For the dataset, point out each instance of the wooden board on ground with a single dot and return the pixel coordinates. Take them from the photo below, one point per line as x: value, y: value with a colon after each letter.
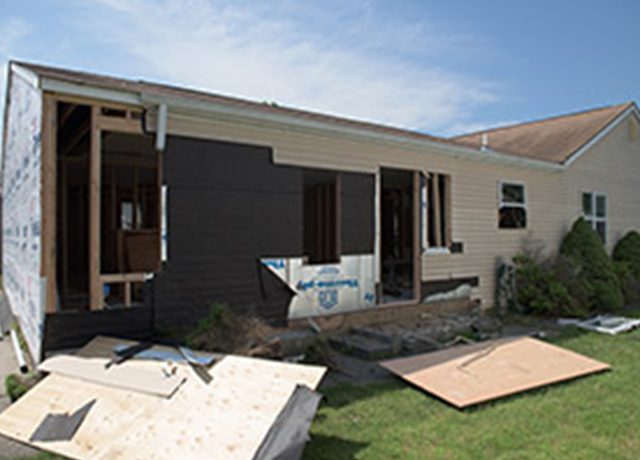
x: 472, y: 374
x: 226, y: 419
x: 130, y: 375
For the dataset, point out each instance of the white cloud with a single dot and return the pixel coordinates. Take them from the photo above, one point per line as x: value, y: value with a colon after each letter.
x: 348, y: 60
x: 12, y: 31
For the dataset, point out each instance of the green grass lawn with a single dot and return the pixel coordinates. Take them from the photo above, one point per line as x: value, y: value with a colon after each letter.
x: 597, y: 417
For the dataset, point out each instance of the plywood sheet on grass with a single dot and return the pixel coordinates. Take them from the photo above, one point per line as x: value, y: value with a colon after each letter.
x: 226, y: 419
x: 472, y: 374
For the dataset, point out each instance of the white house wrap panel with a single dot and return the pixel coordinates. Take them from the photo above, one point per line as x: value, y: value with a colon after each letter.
x: 21, y: 225
x: 328, y: 288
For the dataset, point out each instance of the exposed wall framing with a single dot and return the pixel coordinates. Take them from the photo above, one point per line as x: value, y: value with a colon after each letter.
x: 103, y: 118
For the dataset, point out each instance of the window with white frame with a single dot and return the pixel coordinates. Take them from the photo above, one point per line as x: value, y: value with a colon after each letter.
x: 513, y: 205
x: 594, y: 211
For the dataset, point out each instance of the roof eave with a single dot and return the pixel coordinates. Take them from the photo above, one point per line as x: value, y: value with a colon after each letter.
x: 287, y: 121
x: 62, y: 86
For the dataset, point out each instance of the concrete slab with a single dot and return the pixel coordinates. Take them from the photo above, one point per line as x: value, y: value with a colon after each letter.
x: 365, y: 346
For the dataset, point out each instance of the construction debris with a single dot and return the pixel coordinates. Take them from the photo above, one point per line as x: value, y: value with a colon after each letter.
x: 467, y: 375
x: 61, y: 427
x: 605, y: 324
x: 240, y: 414
x: 289, y: 433
x: 137, y: 376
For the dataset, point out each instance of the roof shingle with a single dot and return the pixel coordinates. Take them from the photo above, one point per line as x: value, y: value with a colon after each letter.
x: 553, y: 139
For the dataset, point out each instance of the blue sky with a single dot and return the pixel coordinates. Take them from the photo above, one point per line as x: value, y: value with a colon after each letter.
x: 439, y: 67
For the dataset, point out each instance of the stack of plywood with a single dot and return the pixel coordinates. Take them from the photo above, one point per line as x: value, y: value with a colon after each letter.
x: 155, y: 410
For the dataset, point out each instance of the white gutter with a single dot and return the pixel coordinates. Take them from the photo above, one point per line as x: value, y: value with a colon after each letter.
x: 75, y: 89
x: 287, y: 122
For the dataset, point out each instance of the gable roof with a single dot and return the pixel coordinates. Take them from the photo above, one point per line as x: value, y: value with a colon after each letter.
x: 547, y: 143
x: 554, y: 139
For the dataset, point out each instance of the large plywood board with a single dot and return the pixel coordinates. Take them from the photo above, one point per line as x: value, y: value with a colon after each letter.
x: 22, y: 209
x: 226, y: 419
x: 473, y: 374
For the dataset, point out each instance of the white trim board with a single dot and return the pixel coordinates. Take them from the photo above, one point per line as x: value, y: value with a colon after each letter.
x: 582, y: 150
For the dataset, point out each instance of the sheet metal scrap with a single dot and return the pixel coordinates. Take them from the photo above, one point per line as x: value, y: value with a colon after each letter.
x: 178, y: 354
x: 61, y: 427
x: 605, y: 324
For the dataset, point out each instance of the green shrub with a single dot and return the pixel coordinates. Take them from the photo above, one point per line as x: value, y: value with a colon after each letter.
x: 628, y: 250
x: 629, y: 283
x: 594, y: 271
x: 15, y: 387
x: 539, y: 291
x: 221, y: 330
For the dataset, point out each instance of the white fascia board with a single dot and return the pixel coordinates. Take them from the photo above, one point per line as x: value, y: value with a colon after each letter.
x: 91, y: 92
x: 256, y: 118
x: 31, y: 77
x: 581, y: 151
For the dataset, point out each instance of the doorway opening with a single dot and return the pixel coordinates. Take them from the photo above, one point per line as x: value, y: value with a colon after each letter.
x: 398, y: 213
x: 321, y: 217
x: 72, y: 223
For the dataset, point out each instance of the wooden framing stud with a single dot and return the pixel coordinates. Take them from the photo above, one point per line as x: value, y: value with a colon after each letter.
x: 127, y: 294
x: 48, y: 200
x: 95, y: 284
x: 435, y: 188
x: 417, y: 259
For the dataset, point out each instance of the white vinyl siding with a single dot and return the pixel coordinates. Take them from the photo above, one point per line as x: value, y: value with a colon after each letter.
x: 552, y: 205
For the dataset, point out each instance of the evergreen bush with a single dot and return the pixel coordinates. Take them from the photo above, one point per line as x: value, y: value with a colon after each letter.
x: 627, y: 250
x: 594, y: 271
x: 539, y: 289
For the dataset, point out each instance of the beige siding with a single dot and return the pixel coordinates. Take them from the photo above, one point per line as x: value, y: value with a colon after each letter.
x: 612, y: 166
x: 474, y: 188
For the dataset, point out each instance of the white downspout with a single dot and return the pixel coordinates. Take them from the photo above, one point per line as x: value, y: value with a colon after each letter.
x: 161, y: 127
